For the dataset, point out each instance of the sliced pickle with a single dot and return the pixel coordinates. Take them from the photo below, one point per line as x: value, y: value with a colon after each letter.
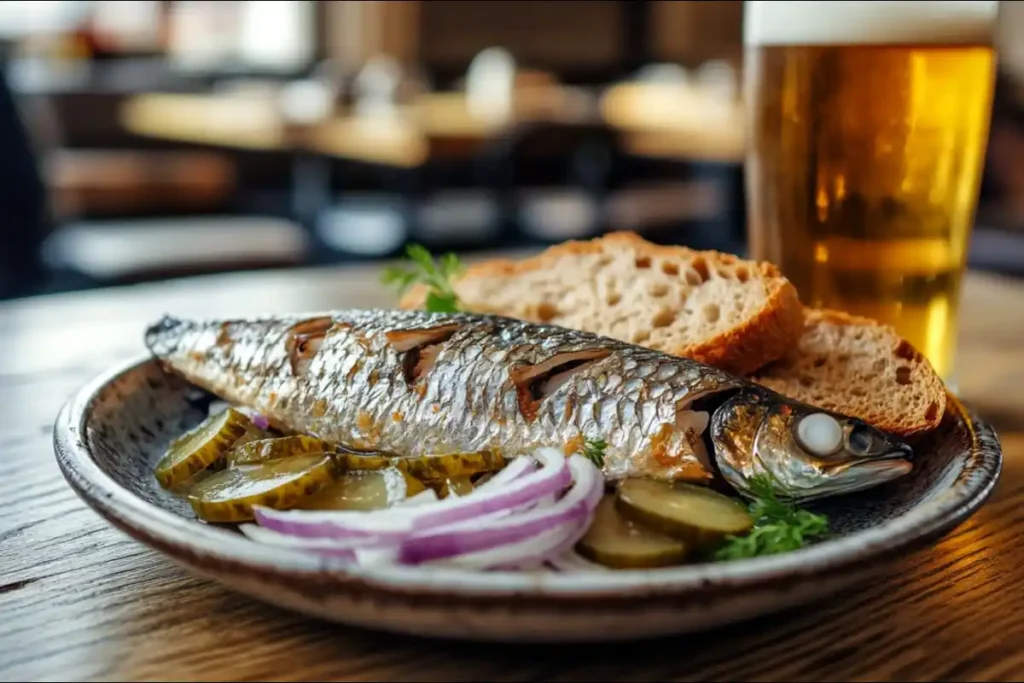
x: 429, y: 468
x: 229, y: 495
x: 252, y: 433
x: 370, y: 461
x: 200, y: 447
x: 413, y: 485
x: 695, y: 514
x: 459, y: 486
x: 182, y: 488
x: 454, y: 465
x: 275, y: 448
x: 614, y: 541
x: 364, y: 490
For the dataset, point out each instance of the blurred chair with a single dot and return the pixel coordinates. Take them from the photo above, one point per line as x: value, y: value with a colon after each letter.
x: 107, y: 182
x: 24, y: 214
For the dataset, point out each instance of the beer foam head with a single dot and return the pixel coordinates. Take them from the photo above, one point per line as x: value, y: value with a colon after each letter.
x: 873, y: 22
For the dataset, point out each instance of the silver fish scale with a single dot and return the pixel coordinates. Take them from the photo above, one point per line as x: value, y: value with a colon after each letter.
x: 353, y: 390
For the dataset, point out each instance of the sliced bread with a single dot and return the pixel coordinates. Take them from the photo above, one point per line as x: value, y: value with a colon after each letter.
x: 716, y: 308
x: 860, y: 368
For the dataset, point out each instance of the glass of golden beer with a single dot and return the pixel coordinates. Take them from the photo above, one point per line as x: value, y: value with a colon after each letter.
x: 867, y: 129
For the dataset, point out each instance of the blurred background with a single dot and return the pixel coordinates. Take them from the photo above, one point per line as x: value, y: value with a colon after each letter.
x: 146, y: 140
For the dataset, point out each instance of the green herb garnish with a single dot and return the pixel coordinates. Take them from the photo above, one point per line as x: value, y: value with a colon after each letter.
x: 778, y: 526
x: 593, y: 450
x: 441, y: 297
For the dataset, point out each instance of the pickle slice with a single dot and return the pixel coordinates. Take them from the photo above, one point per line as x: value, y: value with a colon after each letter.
x: 413, y: 486
x: 614, y: 541
x: 183, y: 487
x: 252, y: 433
x: 458, y: 486
x: 229, y: 495
x: 370, y: 461
x: 695, y: 514
x: 264, y: 450
x: 454, y: 465
x: 429, y: 468
x: 364, y: 490
x: 200, y: 447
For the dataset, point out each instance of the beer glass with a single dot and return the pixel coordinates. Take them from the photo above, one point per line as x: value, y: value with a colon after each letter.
x: 867, y: 129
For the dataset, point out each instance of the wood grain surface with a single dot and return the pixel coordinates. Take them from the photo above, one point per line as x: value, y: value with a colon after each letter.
x: 79, y: 600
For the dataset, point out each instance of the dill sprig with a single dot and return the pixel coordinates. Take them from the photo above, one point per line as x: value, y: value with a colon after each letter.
x: 593, y: 450
x: 778, y: 526
x: 437, y: 276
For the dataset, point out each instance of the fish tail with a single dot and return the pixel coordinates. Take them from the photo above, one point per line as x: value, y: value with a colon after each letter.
x: 163, y: 337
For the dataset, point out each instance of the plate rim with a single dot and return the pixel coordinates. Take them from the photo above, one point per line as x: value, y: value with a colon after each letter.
x: 177, y: 537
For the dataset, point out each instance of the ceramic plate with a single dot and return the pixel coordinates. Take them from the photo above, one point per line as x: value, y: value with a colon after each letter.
x: 109, y: 436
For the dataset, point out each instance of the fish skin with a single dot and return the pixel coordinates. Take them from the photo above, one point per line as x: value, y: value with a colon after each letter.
x: 342, y: 376
x: 755, y: 436
x: 353, y: 391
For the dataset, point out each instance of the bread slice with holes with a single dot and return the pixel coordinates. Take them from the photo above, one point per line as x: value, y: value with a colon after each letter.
x: 860, y: 368
x: 716, y: 308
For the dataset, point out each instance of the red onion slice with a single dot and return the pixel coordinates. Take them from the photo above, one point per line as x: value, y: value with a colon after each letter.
x: 528, y: 553
x: 447, y: 542
x: 513, y: 470
x: 593, y: 498
x: 372, y: 556
x: 424, y: 497
x: 519, y: 520
x: 573, y: 508
x: 342, y: 549
x: 417, y: 549
x: 567, y: 542
x: 574, y: 562
x: 338, y: 525
x: 552, y: 477
x: 532, y: 553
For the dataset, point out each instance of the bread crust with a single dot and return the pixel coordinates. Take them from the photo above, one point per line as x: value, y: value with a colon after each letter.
x: 906, y: 418
x: 740, y: 350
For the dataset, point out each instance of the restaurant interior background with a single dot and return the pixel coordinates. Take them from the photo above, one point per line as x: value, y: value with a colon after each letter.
x: 161, y: 139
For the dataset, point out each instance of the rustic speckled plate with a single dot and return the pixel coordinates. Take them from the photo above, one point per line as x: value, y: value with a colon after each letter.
x: 109, y: 436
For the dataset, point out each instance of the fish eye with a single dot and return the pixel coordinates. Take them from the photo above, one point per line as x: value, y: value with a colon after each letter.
x: 819, y: 434
x: 860, y: 440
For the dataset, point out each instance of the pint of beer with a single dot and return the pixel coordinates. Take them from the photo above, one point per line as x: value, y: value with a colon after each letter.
x: 867, y: 129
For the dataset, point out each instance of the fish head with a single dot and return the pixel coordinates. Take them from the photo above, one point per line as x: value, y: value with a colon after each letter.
x: 806, y: 452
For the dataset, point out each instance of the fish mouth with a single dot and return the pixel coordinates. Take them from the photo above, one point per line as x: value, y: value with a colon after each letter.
x: 859, y: 475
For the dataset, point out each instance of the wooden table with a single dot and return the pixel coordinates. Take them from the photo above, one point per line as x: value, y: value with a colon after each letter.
x: 79, y: 600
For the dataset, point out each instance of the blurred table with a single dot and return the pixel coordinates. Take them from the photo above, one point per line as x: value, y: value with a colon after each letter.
x: 673, y: 121
x: 434, y: 125
x: 239, y: 121
x: 82, y: 601
x: 655, y: 120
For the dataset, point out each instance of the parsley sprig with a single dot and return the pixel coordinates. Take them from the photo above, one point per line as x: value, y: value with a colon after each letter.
x: 593, y: 450
x: 778, y: 526
x: 436, y: 275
